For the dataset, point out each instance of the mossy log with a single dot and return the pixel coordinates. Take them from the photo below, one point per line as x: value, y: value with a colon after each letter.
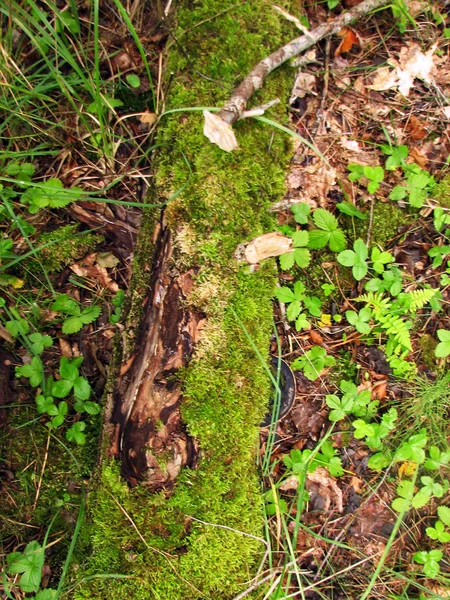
x: 194, y: 532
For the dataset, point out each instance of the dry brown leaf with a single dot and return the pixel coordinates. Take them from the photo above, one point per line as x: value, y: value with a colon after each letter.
x: 148, y: 117
x: 305, y: 83
x: 419, y: 157
x: 349, y: 39
x: 327, y: 488
x: 65, y: 347
x: 291, y: 483
x: 316, y: 337
x: 87, y: 268
x: 416, y: 128
x: 218, y: 132
x: 412, y: 64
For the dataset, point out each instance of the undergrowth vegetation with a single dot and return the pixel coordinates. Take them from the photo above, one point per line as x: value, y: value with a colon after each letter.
x: 357, y: 475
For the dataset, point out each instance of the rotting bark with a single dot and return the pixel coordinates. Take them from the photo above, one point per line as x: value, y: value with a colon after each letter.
x: 150, y: 438
x: 6, y: 372
x: 234, y: 108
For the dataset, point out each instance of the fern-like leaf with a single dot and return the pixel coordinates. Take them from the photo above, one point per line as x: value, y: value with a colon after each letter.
x: 419, y: 298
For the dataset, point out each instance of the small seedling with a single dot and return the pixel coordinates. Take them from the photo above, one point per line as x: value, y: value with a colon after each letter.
x: 396, y: 156
x: 75, y: 433
x: 313, y: 362
x: 360, y: 320
x: 373, y: 175
x: 356, y: 259
x: 29, y: 565
x: 438, y: 533
x: 349, y: 209
x: 300, y: 255
x: 430, y: 561
x: 49, y: 194
x: 71, y: 380
x: 443, y: 348
x: 39, y: 342
x: 34, y: 371
x: 78, y: 317
x: 301, y: 212
x: 440, y: 218
x: 328, y: 232
x: 294, y: 300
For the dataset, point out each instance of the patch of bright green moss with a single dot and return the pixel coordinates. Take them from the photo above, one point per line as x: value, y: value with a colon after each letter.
x: 386, y: 220
x: 441, y: 192
x: 223, y: 202
x: 62, y: 246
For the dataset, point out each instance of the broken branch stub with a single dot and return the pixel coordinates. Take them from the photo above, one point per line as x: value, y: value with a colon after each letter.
x: 222, y: 134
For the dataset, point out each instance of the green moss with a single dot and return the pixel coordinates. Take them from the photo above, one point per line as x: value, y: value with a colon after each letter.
x: 222, y: 201
x: 428, y: 345
x: 386, y: 220
x: 62, y: 246
x: 441, y: 192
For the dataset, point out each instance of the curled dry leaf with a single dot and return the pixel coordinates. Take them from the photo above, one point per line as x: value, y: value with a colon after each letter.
x: 87, y: 268
x: 349, y: 39
x: 148, y: 117
x: 305, y: 83
x: 266, y: 246
x: 218, y: 132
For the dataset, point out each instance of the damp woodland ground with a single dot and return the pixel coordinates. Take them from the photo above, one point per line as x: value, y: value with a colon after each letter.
x: 136, y: 338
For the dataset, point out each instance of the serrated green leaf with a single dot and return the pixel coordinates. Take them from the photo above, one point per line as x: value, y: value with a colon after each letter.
x: 337, y: 241
x: 421, y: 498
x: 359, y: 270
x: 287, y: 261
x: 323, y: 219
x: 293, y: 310
x: 302, y: 257
x: 300, y: 238
x: 72, y: 325
x: 284, y: 294
x: 399, y: 192
x: 444, y: 514
x: 81, y: 389
x: 347, y: 258
x: 89, y: 314
x: 62, y: 388
x: 318, y: 238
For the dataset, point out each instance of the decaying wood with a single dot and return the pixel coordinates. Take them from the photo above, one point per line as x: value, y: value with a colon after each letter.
x: 150, y: 438
x: 123, y: 233
x: 235, y: 106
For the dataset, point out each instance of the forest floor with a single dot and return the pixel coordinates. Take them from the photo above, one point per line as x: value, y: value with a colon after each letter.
x: 354, y: 477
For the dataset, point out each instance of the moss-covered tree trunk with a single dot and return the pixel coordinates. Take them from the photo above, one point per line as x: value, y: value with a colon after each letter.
x: 198, y: 537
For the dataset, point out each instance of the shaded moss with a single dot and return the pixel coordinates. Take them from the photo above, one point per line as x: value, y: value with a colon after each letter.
x: 441, y: 192
x: 63, y: 246
x: 386, y: 220
x: 221, y: 201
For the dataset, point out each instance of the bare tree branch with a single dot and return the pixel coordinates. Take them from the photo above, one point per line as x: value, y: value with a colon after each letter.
x: 234, y: 108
